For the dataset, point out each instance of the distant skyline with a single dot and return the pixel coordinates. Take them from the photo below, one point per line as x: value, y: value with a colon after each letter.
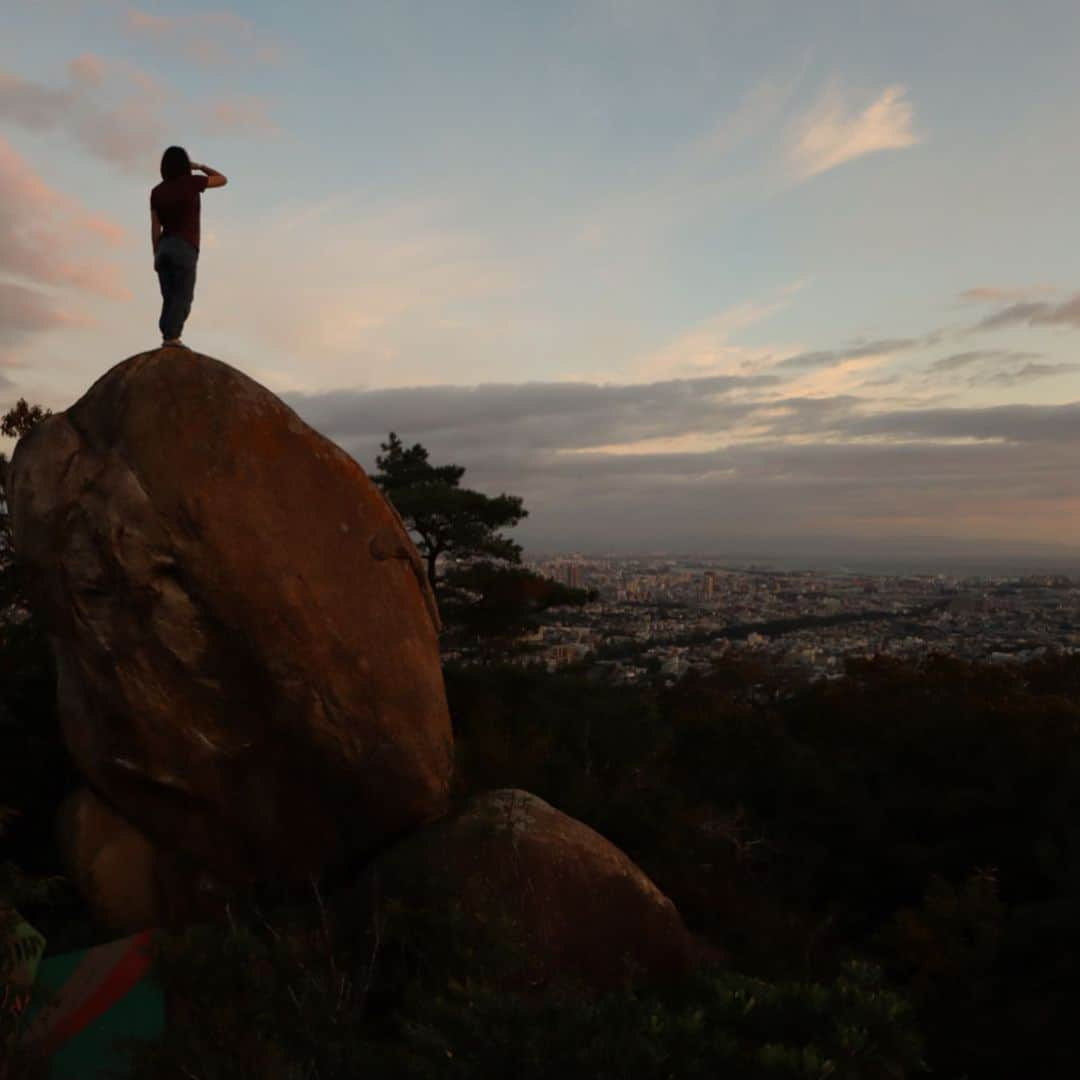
x: 686, y: 276
x: 927, y: 560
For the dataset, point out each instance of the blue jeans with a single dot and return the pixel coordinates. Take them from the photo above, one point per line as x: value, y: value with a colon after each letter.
x: 174, y: 262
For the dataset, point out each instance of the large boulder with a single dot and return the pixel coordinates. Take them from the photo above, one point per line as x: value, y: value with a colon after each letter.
x: 246, y: 643
x: 111, y: 862
x: 560, y: 899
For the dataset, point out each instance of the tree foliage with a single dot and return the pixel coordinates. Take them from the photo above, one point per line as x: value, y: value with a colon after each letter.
x: 22, y: 418
x: 491, y: 602
x: 445, y: 518
x: 16, y: 422
x: 921, y: 815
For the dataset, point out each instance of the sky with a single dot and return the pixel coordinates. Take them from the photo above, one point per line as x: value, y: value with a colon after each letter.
x: 687, y: 276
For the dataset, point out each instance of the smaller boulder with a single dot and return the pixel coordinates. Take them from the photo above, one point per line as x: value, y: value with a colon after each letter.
x: 111, y: 862
x: 575, y: 905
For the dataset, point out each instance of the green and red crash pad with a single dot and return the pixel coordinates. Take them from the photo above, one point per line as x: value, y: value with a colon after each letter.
x: 91, y: 999
x: 21, y: 947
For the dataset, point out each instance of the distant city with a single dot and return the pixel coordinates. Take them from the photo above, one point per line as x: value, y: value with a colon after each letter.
x: 667, y: 615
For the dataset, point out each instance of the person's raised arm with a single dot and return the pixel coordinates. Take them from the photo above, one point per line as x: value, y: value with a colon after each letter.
x: 214, y: 178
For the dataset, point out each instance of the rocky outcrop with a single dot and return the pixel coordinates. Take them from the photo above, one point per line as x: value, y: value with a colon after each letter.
x: 571, y: 903
x: 246, y: 643
x: 111, y: 862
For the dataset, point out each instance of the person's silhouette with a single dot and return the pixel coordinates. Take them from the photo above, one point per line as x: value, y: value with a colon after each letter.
x: 174, y: 234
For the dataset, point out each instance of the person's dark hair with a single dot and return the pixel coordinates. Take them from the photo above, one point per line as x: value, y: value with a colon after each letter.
x: 175, y: 162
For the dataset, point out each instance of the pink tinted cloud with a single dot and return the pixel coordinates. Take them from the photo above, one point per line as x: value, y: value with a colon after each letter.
x: 1036, y: 312
x: 25, y: 311
x: 88, y: 69
x: 831, y: 132
x: 209, y: 38
x: 30, y: 105
x: 112, y: 232
x: 109, y: 109
x: 994, y: 294
x: 50, y: 239
x: 117, y: 111
x: 242, y: 114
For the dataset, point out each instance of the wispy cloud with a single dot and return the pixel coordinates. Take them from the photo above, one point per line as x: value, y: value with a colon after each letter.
x: 979, y: 356
x: 995, y: 294
x: 827, y: 358
x: 759, y: 112
x: 708, y: 349
x: 542, y: 416
x: 241, y: 115
x: 1035, y: 313
x: 1029, y: 372
x: 120, y: 113
x: 208, y: 38
x: 48, y: 238
x: 26, y: 311
x: 375, y: 292
x: 108, y: 109
x: 831, y: 133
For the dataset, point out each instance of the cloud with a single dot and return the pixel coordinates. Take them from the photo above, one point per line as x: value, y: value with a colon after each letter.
x: 208, y: 38
x: 857, y: 352
x: 829, y: 373
x: 707, y: 349
x: 88, y: 70
x: 48, y: 241
x: 241, y: 115
x: 1029, y: 372
x: 812, y: 373
x: 120, y: 113
x: 45, y: 235
x: 1035, y: 313
x: 538, y: 416
x: 979, y: 356
x: 759, y: 110
x: 817, y: 472
x: 831, y: 133
x: 25, y: 311
x: 537, y: 420
x: 982, y: 294
x: 378, y: 292
x: 122, y: 128
x: 1006, y: 423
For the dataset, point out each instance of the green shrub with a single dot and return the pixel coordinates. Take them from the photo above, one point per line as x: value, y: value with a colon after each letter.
x: 279, y: 999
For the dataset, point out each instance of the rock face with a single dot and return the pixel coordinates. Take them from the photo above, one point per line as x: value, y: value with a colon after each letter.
x: 246, y: 643
x: 575, y: 903
x: 111, y: 863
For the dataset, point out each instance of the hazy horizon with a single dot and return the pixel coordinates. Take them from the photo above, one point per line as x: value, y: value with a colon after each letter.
x: 687, y: 275
x: 883, y: 562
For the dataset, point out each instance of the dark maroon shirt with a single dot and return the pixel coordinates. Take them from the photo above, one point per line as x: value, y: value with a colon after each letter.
x: 176, y: 203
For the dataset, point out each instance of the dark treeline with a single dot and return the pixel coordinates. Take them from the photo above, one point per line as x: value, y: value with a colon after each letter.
x: 923, y: 816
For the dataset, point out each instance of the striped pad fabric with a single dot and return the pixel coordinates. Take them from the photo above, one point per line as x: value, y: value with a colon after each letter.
x: 21, y: 947
x: 92, y: 998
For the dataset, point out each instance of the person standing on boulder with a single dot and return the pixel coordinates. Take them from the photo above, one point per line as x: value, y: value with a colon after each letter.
x: 174, y: 234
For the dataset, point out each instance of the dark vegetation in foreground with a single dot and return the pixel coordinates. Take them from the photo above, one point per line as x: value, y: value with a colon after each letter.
x: 909, y: 833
